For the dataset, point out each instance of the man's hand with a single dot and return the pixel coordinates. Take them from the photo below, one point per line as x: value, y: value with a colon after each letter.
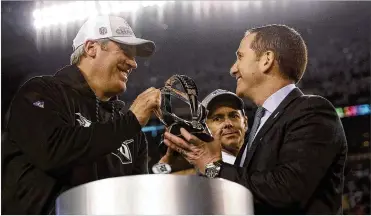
x: 167, y: 158
x: 147, y: 102
x: 194, y: 150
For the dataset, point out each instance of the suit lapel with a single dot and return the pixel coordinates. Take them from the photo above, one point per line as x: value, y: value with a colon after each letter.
x: 242, y: 149
x: 295, y: 93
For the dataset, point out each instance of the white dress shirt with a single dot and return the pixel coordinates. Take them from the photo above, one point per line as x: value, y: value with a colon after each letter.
x: 270, y: 105
x: 228, y: 158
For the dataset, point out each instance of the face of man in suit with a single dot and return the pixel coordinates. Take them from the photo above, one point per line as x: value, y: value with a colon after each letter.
x: 233, y: 123
x: 251, y: 71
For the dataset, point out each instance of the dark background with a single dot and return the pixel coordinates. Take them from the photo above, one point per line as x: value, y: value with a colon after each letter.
x: 190, y: 41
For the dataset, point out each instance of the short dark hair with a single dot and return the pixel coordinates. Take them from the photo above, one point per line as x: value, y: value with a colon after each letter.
x: 288, y: 46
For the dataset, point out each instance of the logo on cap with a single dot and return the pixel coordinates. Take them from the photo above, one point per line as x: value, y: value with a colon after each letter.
x: 102, y: 30
x: 124, y: 31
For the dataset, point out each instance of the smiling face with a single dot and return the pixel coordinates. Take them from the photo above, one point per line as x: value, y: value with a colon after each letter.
x: 246, y: 69
x: 269, y: 57
x: 233, y: 123
x: 114, y: 64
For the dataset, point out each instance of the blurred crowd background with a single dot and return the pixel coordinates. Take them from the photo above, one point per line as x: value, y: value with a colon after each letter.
x: 199, y: 39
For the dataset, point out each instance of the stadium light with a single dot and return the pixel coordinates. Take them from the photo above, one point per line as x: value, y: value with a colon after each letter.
x: 62, y: 14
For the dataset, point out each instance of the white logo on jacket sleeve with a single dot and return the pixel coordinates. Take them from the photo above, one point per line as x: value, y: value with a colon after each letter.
x: 82, y: 120
x: 123, y: 153
x: 39, y: 104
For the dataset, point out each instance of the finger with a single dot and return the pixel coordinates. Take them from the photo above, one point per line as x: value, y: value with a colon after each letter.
x: 158, y: 98
x: 184, y: 153
x: 158, y: 113
x: 153, y: 98
x: 144, y: 94
x: 189, y: 137
x: 155, y: 91
x: 169, y: 151
x: 148, y: 90
x: 179, y: 142
x: 172, y: 147
x: 165, y: 159
x: 157, y: 106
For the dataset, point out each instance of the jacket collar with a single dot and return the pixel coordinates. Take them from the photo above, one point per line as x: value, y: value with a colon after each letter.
x: 275, y: 116
x: 72, y: 76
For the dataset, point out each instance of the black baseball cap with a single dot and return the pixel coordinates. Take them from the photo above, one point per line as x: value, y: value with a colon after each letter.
x: 223, y: 95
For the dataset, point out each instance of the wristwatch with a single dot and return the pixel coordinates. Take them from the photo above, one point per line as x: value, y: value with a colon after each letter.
x: 212, y: 169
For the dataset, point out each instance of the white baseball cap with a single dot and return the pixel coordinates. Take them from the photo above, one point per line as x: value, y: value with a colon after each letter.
x: 114, y: 28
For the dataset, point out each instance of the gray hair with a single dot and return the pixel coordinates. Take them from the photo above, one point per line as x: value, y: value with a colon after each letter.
x: 76, y: 55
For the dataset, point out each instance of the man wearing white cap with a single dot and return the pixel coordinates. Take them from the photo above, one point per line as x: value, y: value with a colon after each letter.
x: 69, y: 129
x: 225, y: 112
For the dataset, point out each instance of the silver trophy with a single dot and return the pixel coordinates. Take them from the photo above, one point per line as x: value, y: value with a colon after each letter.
x: 181, y: 88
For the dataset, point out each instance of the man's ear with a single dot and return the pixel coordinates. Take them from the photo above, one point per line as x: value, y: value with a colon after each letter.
x: 266, y: 61
x: 245, y: 121
x: 90, y: 48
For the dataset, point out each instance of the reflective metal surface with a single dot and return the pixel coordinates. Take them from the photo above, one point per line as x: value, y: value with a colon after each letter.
x: 156, y: 194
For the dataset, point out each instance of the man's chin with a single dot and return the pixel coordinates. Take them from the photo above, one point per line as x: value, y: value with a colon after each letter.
x: 121, y: 88
x: 117, y: 91
x: 231, y: 148
x: 240, y: 92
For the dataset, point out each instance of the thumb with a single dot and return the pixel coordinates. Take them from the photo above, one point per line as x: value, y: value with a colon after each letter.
x: 169, y: 152
x: 157, y: 113
x: 148, y: 90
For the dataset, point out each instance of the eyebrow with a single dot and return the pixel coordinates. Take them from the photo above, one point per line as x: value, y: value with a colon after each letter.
x: 234, y: 112
x: 221, y: 115
x: 217, y: 115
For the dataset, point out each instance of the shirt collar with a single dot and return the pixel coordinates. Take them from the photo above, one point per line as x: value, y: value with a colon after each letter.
x: 228, y: 158
x: 275, y: 99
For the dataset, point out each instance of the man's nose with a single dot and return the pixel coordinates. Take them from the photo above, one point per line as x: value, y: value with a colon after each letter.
x: 233, y: 71
x: 132, y: 63
x: 228, y: 123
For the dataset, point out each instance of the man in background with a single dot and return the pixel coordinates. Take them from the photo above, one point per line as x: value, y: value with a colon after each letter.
x: 225, y: 111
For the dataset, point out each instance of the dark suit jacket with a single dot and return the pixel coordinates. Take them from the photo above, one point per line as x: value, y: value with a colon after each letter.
x: 296, y: 162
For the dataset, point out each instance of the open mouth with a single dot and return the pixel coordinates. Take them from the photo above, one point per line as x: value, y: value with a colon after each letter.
x: 123, y: 72
x: 124, y: 76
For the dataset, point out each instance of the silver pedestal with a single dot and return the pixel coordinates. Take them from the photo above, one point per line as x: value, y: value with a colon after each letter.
x: 156, y: 195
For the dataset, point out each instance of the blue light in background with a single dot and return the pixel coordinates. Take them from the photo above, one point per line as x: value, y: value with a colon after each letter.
x: 364, y: 109
x: 153, y: 129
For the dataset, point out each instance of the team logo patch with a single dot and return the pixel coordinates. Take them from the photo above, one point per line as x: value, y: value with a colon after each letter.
x: 82, y: 120
x: 123, y: 30
x: 123, y: 153
x: 102, y: 30
x: 39, y: 104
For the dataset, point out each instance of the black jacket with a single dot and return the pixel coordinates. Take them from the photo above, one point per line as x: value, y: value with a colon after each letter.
x: 296, y: 161
x: 59, y: 135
